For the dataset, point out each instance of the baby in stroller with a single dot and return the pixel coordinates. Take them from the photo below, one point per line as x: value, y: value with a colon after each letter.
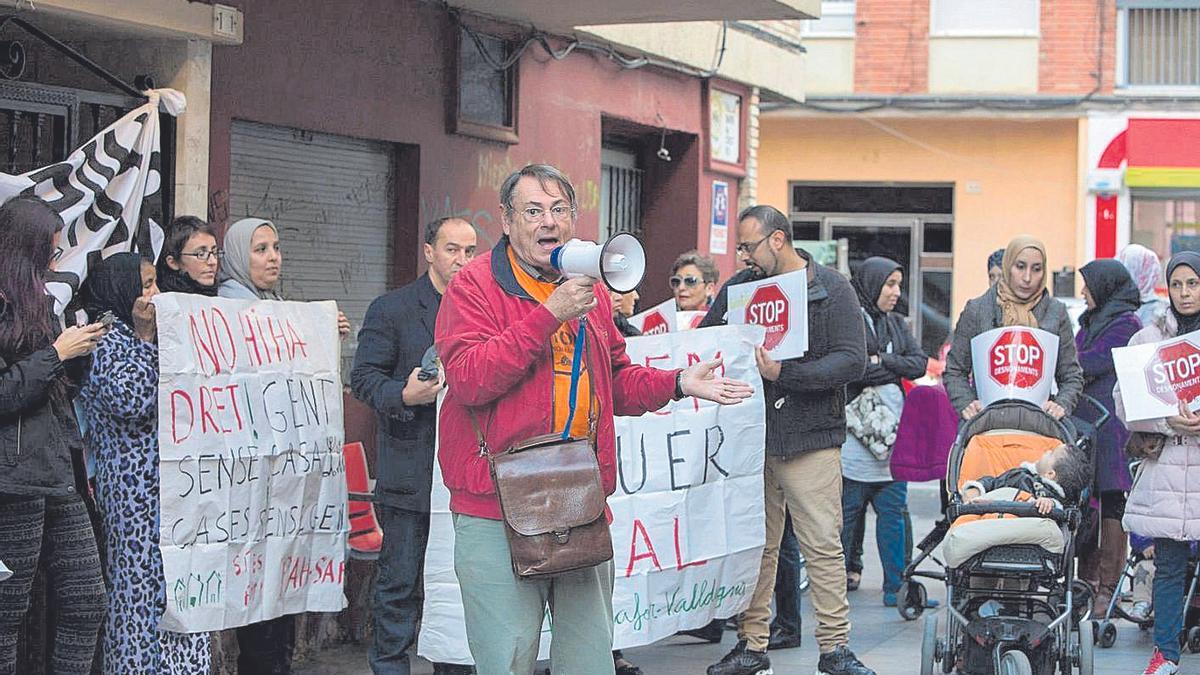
x: 1016, y: 478
x: 1059, y: 472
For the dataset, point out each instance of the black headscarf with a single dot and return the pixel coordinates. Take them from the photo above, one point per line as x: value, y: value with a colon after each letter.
x: 868, y: 283
x: 996, y: 259
x: 113, y: 286
x: 1187, y: 324
x: 1114, y: 293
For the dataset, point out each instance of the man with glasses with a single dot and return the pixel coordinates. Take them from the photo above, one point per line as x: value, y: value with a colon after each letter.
x: 694, y: 282
x: 806, y: 427
x: 507, y: 332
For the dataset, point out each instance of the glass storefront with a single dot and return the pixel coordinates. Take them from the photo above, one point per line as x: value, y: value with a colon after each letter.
x: 1166, y: 222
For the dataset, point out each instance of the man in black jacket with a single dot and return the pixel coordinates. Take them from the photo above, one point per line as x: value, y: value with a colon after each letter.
x: 806, y: 426
x: 396, y: 333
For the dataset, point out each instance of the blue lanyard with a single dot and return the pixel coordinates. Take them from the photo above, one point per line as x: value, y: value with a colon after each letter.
x: 576, y: 366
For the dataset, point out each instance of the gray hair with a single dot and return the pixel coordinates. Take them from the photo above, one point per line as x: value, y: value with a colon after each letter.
x: 770, y: 218
x: 545, y: 174
x: 708, y: 268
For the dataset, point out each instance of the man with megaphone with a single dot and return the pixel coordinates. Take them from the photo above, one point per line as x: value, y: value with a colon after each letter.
x: 530, y: 350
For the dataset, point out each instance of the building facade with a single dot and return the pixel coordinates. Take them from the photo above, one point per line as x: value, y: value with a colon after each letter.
x: 937, y: 130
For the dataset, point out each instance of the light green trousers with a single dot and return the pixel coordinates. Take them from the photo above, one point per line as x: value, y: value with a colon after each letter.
x: 504, y: 613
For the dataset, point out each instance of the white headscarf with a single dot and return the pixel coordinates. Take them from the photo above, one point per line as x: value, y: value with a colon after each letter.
x: 1145, y: 268
x: 235, y: 266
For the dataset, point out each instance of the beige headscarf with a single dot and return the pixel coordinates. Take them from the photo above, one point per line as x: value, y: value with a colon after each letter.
x: 1015, y: 311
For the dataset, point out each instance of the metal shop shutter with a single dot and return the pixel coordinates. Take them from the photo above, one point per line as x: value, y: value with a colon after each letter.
x: 332, y: 199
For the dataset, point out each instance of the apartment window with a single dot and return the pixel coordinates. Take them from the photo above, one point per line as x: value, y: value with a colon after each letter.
x: 983, y: 18
x: 837, y: 20
x: 1159, y: 43
x: 485, y: 103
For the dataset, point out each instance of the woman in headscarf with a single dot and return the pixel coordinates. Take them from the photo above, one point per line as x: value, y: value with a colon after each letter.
x: 252, y: 264
x: 250, y: 270
x: 1109, y: 322
x: 120, y: 401
x: 1019, y: 298
x: 189, y: 258
x: 893, y: 354
x: 1161, y: 501
x: 995, y: 266
x: 1147, y: 273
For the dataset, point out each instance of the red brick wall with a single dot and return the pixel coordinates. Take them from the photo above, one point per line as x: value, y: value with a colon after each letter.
x: 1071, y: 46
x: 891, y: 49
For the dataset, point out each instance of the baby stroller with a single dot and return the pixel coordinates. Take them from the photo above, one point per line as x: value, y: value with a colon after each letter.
x: 1011, y: 594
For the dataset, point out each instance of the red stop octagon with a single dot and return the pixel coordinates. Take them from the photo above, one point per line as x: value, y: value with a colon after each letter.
x: 1016, y: 359
x: 769, y: 308
x: 1174, y: 374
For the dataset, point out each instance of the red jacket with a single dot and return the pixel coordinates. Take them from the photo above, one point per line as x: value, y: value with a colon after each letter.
x: 494, y: 341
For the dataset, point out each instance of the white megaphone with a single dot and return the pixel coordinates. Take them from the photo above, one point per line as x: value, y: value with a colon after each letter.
x: 619, y: 262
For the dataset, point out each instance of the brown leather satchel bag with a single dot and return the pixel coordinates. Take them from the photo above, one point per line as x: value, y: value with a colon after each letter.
x: 552, y: 501
x: 1145, y: 445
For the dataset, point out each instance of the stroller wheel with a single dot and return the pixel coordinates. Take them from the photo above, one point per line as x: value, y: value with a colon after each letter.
x: 1194, y: 639
x: 929, y: 655
x: 913, y: 598
x: 1106, y: 635
x: 1014, y: 662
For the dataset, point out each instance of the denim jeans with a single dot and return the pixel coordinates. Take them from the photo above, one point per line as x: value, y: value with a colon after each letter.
x: 787, y: 581
x: 1170, y: 570
x: 890, y: 501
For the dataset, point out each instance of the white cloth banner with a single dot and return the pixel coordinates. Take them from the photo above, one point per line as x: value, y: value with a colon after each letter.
x: 780, y: 305
x: 107, y: 192
x: 1155, y: 377
x: 1014, y: 363
x: 253, y: 522
x: 688, y: 527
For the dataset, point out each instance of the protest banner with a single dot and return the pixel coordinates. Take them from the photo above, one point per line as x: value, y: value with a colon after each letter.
x: 108, y: 192
x: 253, y: 521
x: 1014, y: 363
x: 1155, y: 377
x: 657, y: 320
x: 780, y: 305
x: 687, y: 320
x: 687, y: 527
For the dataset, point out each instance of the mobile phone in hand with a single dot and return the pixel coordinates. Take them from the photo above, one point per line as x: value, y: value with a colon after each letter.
x: 429, y: 365
x: 106, y: 319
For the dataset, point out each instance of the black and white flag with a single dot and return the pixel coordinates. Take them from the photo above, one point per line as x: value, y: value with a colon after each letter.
x: 107, y: 192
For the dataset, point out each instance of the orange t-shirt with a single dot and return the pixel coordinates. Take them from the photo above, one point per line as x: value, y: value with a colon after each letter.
x: 562, y: 355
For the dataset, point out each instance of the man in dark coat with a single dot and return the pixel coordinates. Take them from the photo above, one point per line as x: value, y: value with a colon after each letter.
x: 806, y: 427
x: 396, y: 333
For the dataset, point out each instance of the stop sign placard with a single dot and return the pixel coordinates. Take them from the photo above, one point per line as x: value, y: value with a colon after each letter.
x: 1017, y: 359
x: 655, y: 324
x: 1173, y: 374
x: 769, y: 307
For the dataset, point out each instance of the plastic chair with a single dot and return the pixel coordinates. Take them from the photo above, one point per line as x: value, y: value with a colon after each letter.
x: 366, y: 536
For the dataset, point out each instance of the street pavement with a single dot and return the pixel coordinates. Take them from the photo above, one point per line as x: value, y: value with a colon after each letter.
x: 883, y: 640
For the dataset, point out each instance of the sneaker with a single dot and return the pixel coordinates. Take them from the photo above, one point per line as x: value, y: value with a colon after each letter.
x: 841, y: 661
x: 853, y: 579
x: 1159, y: 665
x: 742, y: 661
x: 781, y: 638
x: 710, y: 632
x: 805, y: 583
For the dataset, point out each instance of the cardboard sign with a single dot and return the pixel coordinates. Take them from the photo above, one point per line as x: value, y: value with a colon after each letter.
x: 253, y: 521
x: 687, y: 527
x: 657, y: 320
x: 1155, y: 377
x: 780, y: 305
x: 1014, y: 363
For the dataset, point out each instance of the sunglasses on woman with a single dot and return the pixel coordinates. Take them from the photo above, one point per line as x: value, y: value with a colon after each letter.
x: 688, y: 281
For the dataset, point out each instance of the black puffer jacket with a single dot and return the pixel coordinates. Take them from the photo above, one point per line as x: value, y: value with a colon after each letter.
x: 40, y: 447
x: 806, y: 406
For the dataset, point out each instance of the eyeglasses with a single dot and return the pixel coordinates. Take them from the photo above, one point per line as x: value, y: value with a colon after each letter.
x: 535, y: 214
x: 204, y: 254
x: 746, y: 248
x: 688, y: 281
